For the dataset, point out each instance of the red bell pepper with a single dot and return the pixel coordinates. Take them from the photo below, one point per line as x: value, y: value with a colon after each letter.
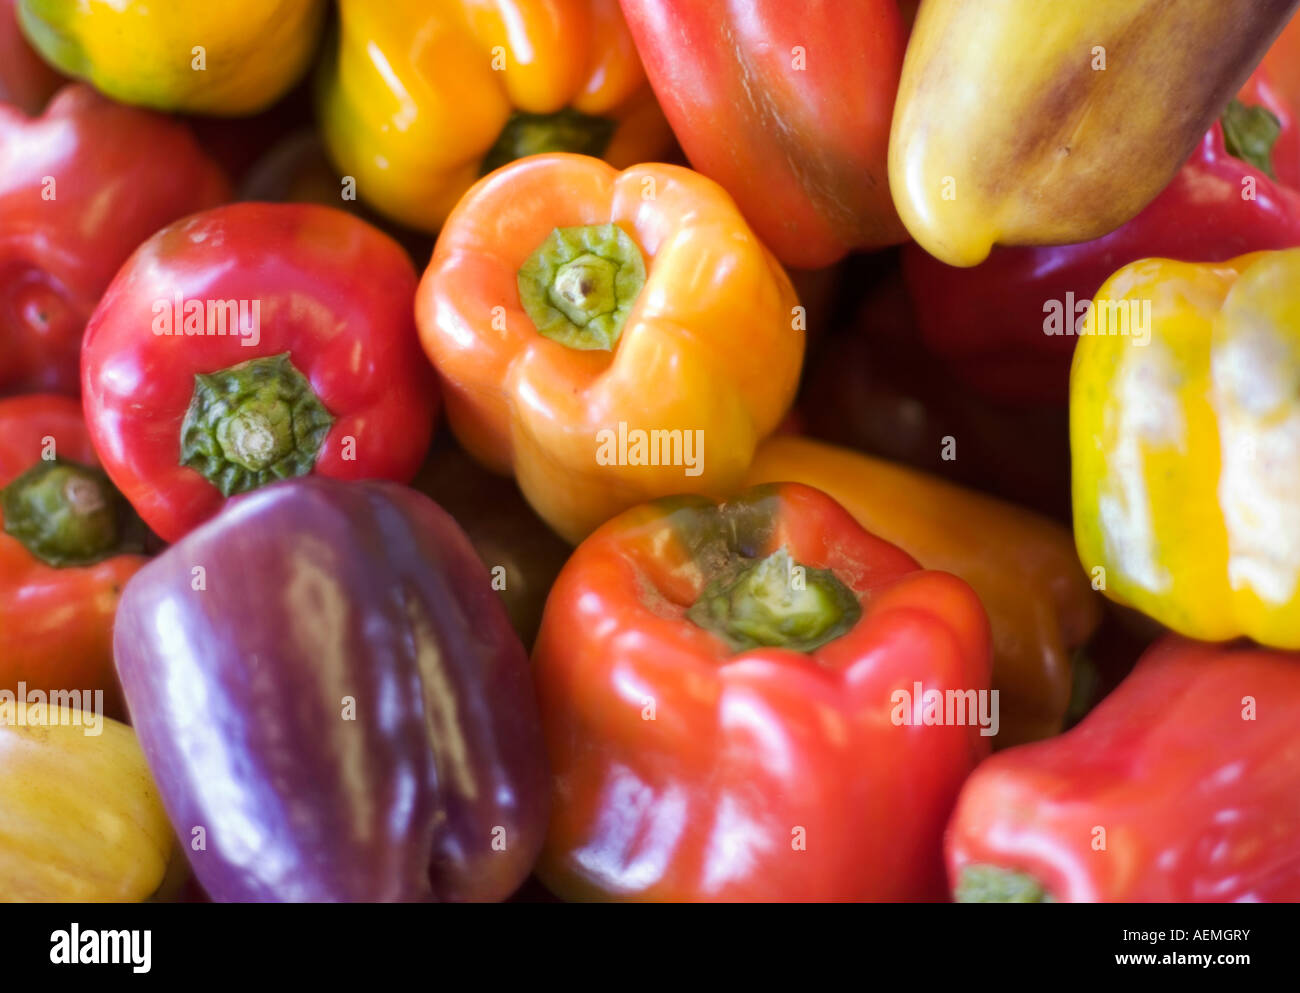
x: 1182, y: 786
x: 724, y: 692
x: 83, y: 185
x: 788, y: 108
x: 252, y: 343
x: 990, y: 322
x: 26, y: 81
x: 67, y: 544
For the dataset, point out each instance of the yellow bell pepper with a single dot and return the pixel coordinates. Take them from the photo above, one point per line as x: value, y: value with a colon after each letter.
x: 1032, y: 122
x: 1185, y: 442
x: 80, y: 819
x: 419, y: 98
x: 1039, y: 603
x: 230, y: 58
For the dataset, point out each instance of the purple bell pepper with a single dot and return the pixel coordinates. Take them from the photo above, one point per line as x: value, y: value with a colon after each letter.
x: 333, y: 702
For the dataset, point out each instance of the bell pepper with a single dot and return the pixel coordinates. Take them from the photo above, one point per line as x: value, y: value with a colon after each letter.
x: 1186, y: 446
x: 726, y: 691
x: 252, y: 343
x: 1007, y: 326
x: 82, y: 819
x: 787, y: 108
x: 26, y: 81
x: 419, y: 98
x: 1030, y: 124
x: 231, y: 58
x: 332, y: 701
x: 1182, y: 786
x: 609, y: 337
x: 67, y: 547
x: 1040, y: 605
x: 84, y: 161
x: 521, y: 553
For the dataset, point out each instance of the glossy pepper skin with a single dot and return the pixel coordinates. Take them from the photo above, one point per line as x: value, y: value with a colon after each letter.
x: 989, y: 322
x: 343, y: 707
x: 1040, y: 605
x: 65, y: 173
x: 26, y: 82
x: 1007, y: 129
x: 324, y: 376
x: 56, y: 615
x: 83, y: 821
x: 419, y: 98
x: 1186, y: 449
x: 791, y: 114
x: 252, y: 52
x: 703, y: 340
x: 1191, y: 767
x: 691, y: 767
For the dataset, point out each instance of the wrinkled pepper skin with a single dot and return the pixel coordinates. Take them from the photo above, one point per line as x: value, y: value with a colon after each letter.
x: 252, y: 52
x: 64, y: 173
x: 789, y: 111
x: 26, y: 82
x: 707, y: 346
x: 1008, y: 131
x: 56, y: 621
x: 322, y: 596
x: 1186, y: 451
x: 988, y: 322
x: 355, y: 399
x: 1192, y: 769
x: 83, y: 822
x: 751, y: 750
x: 414, y: 97
x: 1040, y: 604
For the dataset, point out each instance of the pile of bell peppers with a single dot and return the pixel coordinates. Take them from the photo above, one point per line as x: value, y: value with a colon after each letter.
x: 649, y: 450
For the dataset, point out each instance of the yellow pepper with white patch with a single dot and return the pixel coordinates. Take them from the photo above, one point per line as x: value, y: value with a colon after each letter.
x: 1185, y: 441
x: 80, y: 817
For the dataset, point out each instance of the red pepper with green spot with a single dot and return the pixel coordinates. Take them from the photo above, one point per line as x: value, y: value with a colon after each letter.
x: 720, y: 689
x: 68, y: 544
x: 252, y: 343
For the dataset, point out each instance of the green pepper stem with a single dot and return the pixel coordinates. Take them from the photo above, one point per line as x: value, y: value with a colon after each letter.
x: 252, y: 424
x: 65, y: 513
x: 535, y: 134
x: 995, y: 884
x: 579, y: 286
x: 775, y: 603
x: 1249, y: 133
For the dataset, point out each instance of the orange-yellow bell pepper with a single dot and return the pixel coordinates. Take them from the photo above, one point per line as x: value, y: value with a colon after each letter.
x: 1040, y: 604
x: 1185, y: 441
x: 419, y: 98
x: 80, y: 817
x: 609, y: 337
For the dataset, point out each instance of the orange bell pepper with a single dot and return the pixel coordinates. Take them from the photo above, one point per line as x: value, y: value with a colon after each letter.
x: 610, y: 337
x: 1039, y: 601
x: 65, y: 538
